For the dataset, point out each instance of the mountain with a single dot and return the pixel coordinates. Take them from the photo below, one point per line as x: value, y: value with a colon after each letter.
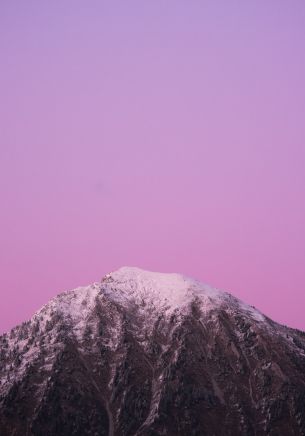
x: 149, y: 354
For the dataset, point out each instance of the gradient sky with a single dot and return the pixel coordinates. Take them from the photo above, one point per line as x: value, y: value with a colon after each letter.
x: 168, y: 135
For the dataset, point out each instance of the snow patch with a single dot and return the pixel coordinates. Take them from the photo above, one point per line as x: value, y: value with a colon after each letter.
x: 167, y: 293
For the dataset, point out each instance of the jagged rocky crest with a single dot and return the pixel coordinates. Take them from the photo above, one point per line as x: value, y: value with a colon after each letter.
x: 145, y: 353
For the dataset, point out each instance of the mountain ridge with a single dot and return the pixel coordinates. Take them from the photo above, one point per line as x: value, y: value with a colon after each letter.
x: 137, y: 348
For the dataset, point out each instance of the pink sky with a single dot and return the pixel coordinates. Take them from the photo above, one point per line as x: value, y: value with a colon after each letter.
x: 168, y: 135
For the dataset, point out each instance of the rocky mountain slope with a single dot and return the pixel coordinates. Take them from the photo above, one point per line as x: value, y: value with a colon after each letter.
x: 144, y: 353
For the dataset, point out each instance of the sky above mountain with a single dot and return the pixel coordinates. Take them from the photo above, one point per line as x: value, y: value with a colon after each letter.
x: 166, y: 135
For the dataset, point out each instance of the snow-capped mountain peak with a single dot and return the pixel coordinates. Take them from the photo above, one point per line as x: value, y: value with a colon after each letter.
x: 168, y: 292
x: 151, y: 353
x: 150, y: 293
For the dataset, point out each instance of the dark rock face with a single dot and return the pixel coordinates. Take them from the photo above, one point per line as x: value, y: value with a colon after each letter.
x: 215, y: 373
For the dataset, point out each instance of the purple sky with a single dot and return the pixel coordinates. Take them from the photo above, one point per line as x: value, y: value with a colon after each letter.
x: 168, y: 135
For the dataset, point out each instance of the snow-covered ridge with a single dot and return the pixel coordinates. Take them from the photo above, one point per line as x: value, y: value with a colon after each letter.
x: 74, y: 305
x: 151, y: 292
x: 167, y: 292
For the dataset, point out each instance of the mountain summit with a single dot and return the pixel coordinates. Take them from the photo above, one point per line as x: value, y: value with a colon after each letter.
x: 144, y: 353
